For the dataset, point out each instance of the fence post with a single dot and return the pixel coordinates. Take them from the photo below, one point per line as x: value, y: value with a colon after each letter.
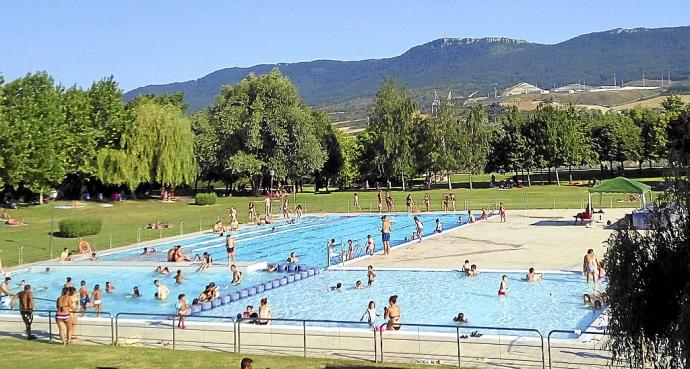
x: 50, y: 326
x: 376, y: 353
x: 457, y: 339
x: 199, y: 224
x: 160, y: 232
x: 21, y: 255
x: 304, y: 334
x: 181, y: 227
x: 239, y: 321
x: 139, y: 235
x: 173, y: 332
x: 370, y: 206
x: 112, y: 331
x: 110, y: 240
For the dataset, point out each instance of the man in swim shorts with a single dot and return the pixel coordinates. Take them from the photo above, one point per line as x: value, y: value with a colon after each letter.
x: 96, y: 298
x: 386, y: 229
x: 83, y: 297
x: 26, y: 308
x: 230, y: 249
x: 161, y: 290
x: 590, y: 266
x: 5, y: 293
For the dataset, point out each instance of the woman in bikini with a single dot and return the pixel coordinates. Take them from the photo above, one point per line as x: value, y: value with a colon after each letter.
x: 392, y: 313
x: 62, y: 316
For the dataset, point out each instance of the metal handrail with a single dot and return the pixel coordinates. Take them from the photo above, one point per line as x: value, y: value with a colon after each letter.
x: 568, y: 331
x: 457, y: 333
x: 51, y: 313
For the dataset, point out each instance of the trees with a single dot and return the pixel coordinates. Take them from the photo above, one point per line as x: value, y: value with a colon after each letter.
x: 390, y: 128
x: 261, y: 122
x: 206, y: 147
x: 474, y: 141
x: 108, y: 112
x: 649, y: 312
x: 158, y: 147
x: 616, y: 138
x: 32, y: 129
x: 653, y: 133
x: 437, y: 142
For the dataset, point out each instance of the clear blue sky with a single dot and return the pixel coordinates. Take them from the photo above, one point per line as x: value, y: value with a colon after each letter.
x: 145, y: 42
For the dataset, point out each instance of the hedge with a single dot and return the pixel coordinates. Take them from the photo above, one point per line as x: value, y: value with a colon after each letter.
x: 205, y: 198
x: 77, y: 227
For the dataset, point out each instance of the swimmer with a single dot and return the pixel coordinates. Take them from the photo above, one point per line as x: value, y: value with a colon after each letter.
x: 207, y: 262
x: 84, y: 299
x: 47, y: 270
x: 460, y: 318
x: 135, y: 293
x: 68, y: 283
x: 109, y: 287
x: 272, y: 268
x: 591, y: 301
x: 292, y: 258
x: 336, y: 287
x: 503, y: 287
x: 358, y: 285
x: 230, y: 249
x: 532, y: 276
x: 165, y: 271
x: 392, y: 313
x: 470, y: 217
x: 96, y: 298
x: 439, y: 226
x: 420, y: 228
x: 64, y: 255
x: 350, y: 250
x: 178, y: 277
x: 159, y: 269
x: 331, y: 248
x: 5, y: 292
x: 466, y: 267
x: 590, y: 266
x: 371, y: 276
x: 602, y: 272
x: 182, y: 310
x: 473, y: 272
x: 93, y: 257
x: 162, y: 290
x: 371, y: 245
x: 370, y: 314
x: 236, y: 275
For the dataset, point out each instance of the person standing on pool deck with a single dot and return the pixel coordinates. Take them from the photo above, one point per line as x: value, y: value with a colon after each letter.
x: 452, y: 200
x: 267, y: 206
x: 502, y: 212
x: 178, y: 277
x: 420, y: 228
x: 182, y: 310
x: 590, y: 266
x: 26, y: 309
x: 392, y: 313
x: 356, y: 202
x: 162, y: 290
x: 379, y: 201
x: 230, y: 249
x: 62, y: 316
x: 427, y: 201
x: 503, y: 287
x: 386, y: 229
x: 409, y: 203
x: 371, y: 245
x: 96, y: 298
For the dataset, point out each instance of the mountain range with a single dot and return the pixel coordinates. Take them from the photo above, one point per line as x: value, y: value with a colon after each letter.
x: 470, y: 64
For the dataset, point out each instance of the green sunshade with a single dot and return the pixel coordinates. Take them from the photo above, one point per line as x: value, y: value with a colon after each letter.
x: 621, y: 185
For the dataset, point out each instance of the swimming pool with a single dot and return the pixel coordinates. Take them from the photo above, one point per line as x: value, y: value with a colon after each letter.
x: 47, y: 285
x: 308, y: 238
x: 435, y: 298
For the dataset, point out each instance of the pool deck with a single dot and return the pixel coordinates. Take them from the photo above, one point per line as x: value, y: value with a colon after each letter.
x: 543, y: 239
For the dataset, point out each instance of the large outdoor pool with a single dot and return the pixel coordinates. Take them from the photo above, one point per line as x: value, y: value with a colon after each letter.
x: 308, y: 238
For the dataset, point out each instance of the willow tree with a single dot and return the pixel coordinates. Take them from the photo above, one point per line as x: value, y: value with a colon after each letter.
x: 158, y: 147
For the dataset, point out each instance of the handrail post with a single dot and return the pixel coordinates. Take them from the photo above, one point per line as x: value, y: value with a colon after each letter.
x: 239, y: 321
x: 116, y: 328
x: 381, y: 339
x: 304, y: 336
x: 457, y: 339
x: 173, y: 332
x: 234, y: 335
x: 548, y: 340
x: 112, y: 331
x: 376, y: 358
x: 50, y: 326
x: 543, y: 363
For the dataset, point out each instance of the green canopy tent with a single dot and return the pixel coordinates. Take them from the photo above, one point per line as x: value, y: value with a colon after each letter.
x: 622, y: 185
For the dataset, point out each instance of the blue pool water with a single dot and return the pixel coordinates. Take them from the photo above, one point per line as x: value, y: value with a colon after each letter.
x: 434, y: 298
x: 308, y: 238
x: 47, y: 285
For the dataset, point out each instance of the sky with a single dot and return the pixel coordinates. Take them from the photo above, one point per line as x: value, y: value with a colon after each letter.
x: 153, y: 42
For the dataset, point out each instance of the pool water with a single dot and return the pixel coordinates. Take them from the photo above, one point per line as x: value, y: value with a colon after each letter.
x: 308, y: 238
x: 47, y: 285
x: 435, y: 298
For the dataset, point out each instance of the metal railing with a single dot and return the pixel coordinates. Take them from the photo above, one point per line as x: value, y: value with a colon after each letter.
x: 439, y: 337
x: 449, y: 344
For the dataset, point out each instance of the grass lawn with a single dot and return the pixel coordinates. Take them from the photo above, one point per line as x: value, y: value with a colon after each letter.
x: 122, y: 221
x: 22, y: 354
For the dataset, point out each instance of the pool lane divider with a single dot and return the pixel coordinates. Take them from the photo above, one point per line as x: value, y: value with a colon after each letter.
x: 291, y: 274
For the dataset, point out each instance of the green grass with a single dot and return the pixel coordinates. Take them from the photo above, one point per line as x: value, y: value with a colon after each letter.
x: 22, y: 354
x: 122, y: 221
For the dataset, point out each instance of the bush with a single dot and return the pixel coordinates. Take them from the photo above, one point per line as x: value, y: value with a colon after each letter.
x: 205, y: 198
x: 79, y: 227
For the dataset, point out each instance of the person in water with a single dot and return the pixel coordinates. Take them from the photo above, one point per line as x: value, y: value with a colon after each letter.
x: 503, y: 287
x: 392, y: 313
x: 439, y: 226
x: 336, y: 288
x: 358, y: 285
x: 460, y: 318
x: 532, y: 276
x: 371, y: 275
x: 370, y: 314
x: 236, y: 275
x: 590, y: 266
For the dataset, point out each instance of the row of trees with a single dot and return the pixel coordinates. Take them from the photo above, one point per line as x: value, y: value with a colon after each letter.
x: 50, y: 135
x: 260, y: 130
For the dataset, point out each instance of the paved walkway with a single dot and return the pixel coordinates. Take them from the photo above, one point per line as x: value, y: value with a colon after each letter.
x: 544, y: 239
